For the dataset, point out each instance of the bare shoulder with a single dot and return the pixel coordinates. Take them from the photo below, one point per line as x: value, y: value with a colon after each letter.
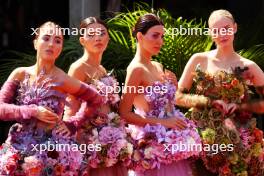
x: 60, y: 72
x: 103, y: 69
x: 159, y: 65
x: 256, y: 72
x: 200, y: 57
x: 18, y: 73
x: 61, y: 75
x: 250, y: 64
x: 65, y: 79
x: 77, y: 70
x: 76, y: 66
x: 135, y: 67
x: 247, y: 62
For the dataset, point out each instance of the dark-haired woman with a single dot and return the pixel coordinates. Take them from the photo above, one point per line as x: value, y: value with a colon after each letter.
x: 35, y: 96
x: 154, y: 112
x: 104, y: 128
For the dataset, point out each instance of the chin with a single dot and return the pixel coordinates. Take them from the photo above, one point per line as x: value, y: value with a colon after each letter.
x: 98, y: 50
x: 224, y: 45
x: 155, y: 53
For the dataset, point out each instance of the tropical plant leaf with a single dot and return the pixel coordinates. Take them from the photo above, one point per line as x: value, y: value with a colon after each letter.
x: 254, y: 53
x: 174, y: 55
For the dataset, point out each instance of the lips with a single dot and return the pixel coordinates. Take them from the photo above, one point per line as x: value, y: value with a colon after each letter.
x: 99, y: 45
x: 49, y: 51
x: 223, y: 40
x: 157, y: 48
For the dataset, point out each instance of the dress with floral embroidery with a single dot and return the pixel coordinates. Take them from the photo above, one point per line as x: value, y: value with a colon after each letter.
x: 106, y: 131
x: 242, y: 143
x: 158, y: 150
x: 30, y: 150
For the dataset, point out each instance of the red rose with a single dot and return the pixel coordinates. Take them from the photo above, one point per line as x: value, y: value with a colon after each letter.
x: 15, y: 156
x: 234, y: 82
x: 243, y: 116
x: 225, y: 170
x: 11, y: 167
x: 258, y: 134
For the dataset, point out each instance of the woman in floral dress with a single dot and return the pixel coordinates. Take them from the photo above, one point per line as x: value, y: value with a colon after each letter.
x: 35, y: 97
x: 221, y: 80
x: 155, y: 125
x: 103, y: 128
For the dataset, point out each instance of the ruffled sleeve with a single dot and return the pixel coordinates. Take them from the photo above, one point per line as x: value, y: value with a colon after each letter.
x: 8, y: 110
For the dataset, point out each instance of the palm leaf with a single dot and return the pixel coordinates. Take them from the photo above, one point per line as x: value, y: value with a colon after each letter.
x: 254, y: 53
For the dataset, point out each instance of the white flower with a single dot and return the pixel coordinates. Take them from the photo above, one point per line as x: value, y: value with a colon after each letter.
x: 129, y: 148
x: 148, y: 153
x: 112, y: 115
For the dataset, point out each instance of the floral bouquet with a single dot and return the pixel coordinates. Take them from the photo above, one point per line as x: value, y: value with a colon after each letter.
x: 53, y: 156
x: 219, y: 126
x: 9, y: 158
x: 106, y: 131
x: 108, y: 87
x: 109, y: 135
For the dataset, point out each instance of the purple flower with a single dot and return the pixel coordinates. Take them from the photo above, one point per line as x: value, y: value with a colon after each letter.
x: 42, y: 92
x: 108, y: 87
x: 109, y: 135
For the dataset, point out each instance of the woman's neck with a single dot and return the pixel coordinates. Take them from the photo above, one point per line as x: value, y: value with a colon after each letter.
x: 143, y: 56
x: 225, y: 53
x: 41, y: 65
x: 93, y: 59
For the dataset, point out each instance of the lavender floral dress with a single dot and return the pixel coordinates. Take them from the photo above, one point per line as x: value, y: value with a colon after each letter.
x: 106, y: 131
x: 157, y: 149
x: 34, y: 151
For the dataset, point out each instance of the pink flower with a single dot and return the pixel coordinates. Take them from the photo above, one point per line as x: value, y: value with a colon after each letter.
x: 229, y: 124
x: 32, y: 166
x: 110, y: 162
x: 113, y: 152
x: 245, y: 137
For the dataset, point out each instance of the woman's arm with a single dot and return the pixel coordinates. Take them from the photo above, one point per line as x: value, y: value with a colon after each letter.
x: 185, y: 83
x: 82, y: 91
x: 73, y: 104
x: 256, y: 106
x: 10, y: 111
x: 257, y: 73
x: 77, y: 112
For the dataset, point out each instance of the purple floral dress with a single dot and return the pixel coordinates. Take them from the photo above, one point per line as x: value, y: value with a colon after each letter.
x: 158, y: 149
x: 106, y: 131
x: 30, y: 150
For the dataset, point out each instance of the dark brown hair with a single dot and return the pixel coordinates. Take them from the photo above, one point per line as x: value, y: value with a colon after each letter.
x: 145, y: 22
x: 48, y: 23
x: 91, y: 20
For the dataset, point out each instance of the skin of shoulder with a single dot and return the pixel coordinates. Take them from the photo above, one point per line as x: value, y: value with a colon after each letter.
x: 70, y: 85
x: 159, y: 65
x: 186, y: 79
x: 17, y: 74
x: 135, y: 67
x: 76, y: 70
x: 255, y: 70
